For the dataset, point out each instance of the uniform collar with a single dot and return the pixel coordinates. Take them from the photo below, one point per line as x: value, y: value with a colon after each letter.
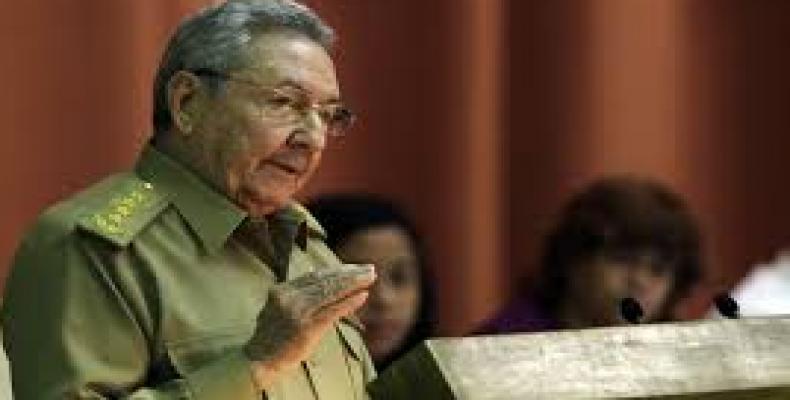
x: 296, y: 215
x: 210, y: 214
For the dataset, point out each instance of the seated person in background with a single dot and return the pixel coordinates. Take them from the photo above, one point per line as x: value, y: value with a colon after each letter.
x: 360, y: 228
x: 620, y: 238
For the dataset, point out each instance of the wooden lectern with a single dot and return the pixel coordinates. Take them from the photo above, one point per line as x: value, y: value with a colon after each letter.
x: 712, y: 359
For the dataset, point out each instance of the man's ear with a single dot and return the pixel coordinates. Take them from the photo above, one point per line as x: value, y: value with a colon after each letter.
x: 183, y: 89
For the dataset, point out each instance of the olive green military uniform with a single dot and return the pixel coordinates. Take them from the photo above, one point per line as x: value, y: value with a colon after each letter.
x: 143, y: 287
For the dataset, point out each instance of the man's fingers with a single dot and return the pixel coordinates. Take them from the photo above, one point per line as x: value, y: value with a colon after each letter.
x: 329, y: 286
x: 297, y: 316
x: 329, y: 314
x: 341, y: 277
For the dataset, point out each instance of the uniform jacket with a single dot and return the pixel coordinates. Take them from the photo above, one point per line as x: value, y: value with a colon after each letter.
x: 141, y: 287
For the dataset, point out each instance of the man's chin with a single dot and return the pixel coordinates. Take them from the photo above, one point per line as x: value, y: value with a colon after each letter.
x: 259, y: 206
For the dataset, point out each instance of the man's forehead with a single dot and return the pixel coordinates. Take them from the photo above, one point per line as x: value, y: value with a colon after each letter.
x: 286, y: 57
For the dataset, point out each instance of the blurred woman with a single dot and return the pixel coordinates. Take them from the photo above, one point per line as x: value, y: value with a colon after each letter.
x: 620, y: 239
x: 367, y: 230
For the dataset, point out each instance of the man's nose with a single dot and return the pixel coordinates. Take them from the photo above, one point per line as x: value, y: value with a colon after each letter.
x: 311, y: 132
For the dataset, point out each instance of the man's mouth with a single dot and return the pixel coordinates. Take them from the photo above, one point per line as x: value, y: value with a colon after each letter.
x: 291, y: 169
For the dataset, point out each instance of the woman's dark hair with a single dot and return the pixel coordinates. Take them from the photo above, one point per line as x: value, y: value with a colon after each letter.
x: 622, y: 216
x: 343, y: 215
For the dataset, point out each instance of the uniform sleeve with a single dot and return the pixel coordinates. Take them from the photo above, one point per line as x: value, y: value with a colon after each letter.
x: 71, y: 331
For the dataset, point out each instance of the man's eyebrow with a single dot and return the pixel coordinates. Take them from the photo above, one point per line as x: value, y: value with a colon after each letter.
x: 289, y: 83
x: 292, y: 84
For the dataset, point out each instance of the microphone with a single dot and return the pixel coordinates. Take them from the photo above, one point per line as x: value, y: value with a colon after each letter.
x: 726, y: 305
x: 631, y: 310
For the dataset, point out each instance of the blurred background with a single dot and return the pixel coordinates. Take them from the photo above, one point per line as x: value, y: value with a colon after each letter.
x: 479, y: 116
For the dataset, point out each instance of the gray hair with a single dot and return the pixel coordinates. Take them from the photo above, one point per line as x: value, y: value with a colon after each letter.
x: 217, y: 39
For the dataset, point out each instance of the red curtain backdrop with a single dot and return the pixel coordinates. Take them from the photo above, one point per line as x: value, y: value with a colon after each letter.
x: 479, y: 116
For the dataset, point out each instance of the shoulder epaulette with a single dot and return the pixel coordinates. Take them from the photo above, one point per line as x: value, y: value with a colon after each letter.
x: 124, y: 212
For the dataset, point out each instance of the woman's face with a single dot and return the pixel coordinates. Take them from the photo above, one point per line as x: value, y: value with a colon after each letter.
x: 598, y: 285
x: 393, y: 304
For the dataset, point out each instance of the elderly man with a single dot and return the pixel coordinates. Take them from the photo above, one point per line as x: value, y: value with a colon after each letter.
x: 196, y: 276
